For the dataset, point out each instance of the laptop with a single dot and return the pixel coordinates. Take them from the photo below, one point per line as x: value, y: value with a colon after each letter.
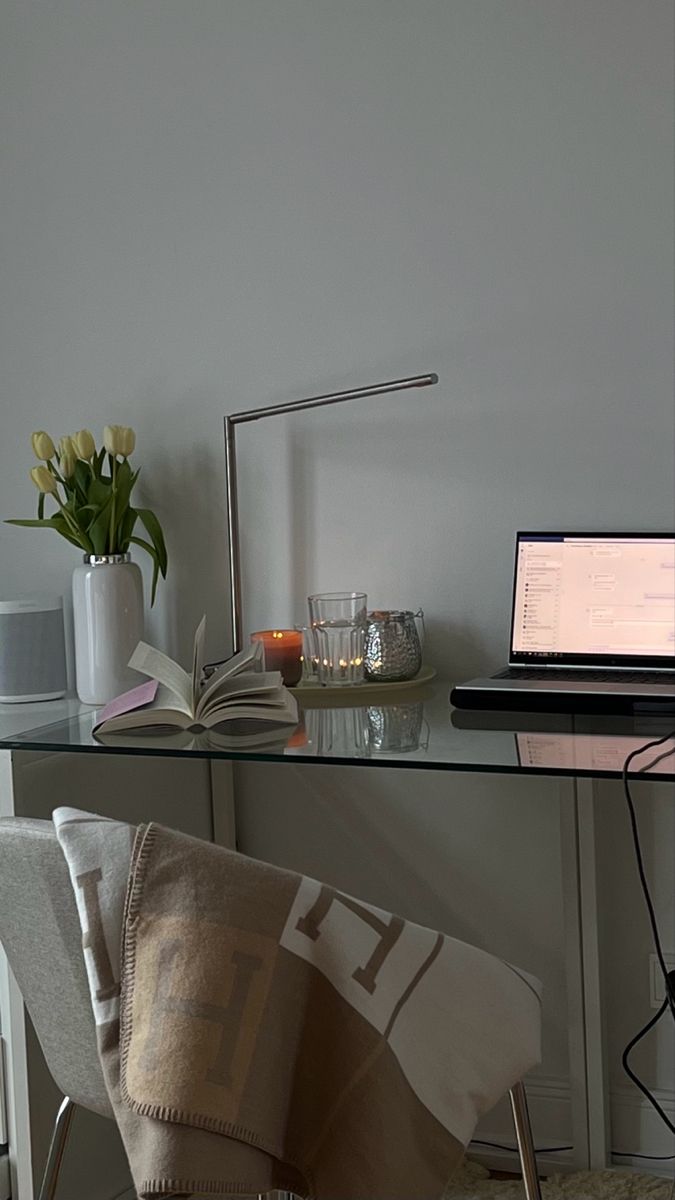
x: 592, y: 627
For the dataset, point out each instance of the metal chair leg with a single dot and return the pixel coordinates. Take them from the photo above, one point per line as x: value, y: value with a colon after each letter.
x: 528, y: 1161
x: 57, y: 1148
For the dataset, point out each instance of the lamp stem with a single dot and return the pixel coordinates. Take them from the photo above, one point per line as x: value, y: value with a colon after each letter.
x: 257, y: 414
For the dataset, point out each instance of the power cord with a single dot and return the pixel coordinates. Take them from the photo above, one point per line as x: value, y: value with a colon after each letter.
x: 636, y: 1080
x: 668, y: 976
x: 669, y: 983
x: 559, y: 1149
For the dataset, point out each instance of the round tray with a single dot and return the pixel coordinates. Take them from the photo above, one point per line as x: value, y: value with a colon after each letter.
x: 367, y: 688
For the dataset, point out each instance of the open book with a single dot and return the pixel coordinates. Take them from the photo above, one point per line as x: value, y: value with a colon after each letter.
x: 238, y: 698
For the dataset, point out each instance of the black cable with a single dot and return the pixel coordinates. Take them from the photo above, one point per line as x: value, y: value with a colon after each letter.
x: 631, y: 1074
x: 668, y: 977
x: 632, y: 1154
x: 559, y: 1149
x: 669, y: 984
x: 514, y: 1149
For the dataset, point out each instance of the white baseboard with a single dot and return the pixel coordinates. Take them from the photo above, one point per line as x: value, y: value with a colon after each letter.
x: 548, y: 1098
x: 635, y: 1126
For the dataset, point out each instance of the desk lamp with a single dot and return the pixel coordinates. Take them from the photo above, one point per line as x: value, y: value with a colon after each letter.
x: 277, y: 410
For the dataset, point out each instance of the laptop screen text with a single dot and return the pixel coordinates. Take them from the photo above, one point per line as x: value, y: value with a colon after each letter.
x: 589, y: 599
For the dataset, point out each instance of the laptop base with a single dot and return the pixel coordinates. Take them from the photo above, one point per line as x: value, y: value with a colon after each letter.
x: 481, y: 695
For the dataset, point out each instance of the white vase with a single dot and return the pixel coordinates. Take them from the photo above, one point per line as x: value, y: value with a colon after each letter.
x: 108, y: 619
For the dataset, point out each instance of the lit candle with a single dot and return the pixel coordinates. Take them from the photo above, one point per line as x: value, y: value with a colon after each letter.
x: 283, y: 652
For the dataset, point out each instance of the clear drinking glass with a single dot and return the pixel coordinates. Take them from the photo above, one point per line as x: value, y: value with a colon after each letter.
x: 340, y: 732
x: 338, y: 620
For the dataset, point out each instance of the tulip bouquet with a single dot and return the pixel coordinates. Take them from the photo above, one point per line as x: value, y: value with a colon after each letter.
x: 92, y: 491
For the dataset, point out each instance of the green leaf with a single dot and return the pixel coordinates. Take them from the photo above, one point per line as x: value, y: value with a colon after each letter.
x: 79, y: 515
x: 99, y: 529
x: 81, y: 479
x: 56, y: 523
x: 154, y: 529
x: 123, y: 485
x: 90, y: 508
x: 126, y: 527
x: 155, y: 560
x: 98, y: 492
x: 47, y: 522
x: 84, y: 544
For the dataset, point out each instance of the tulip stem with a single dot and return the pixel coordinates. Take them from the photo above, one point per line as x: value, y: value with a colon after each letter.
x: 112, y: 508
x: 69, y: 520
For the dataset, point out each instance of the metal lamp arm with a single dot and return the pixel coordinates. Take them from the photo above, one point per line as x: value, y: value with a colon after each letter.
x: 276, y: 410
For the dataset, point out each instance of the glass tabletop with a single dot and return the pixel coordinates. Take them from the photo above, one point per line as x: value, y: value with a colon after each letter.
x: 414, y: 728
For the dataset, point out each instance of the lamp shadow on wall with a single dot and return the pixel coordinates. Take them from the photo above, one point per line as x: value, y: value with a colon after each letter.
x: 453, y: 649
x: 359, y: 838
x: 190, y: 503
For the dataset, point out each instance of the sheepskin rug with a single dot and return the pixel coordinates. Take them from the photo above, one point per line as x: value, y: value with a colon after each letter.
x: 472, y: 1182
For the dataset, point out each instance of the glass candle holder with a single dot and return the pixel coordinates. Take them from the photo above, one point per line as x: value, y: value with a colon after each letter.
x: 282, y: 651
x: 310, y: 658
x: 338, y: 621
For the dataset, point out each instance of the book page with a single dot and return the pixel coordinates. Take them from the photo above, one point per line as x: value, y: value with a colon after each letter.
x: 244, y: 660
x: 267, y: 686
x: 247, y: 661
x: 159, y: 666
x: 286, y: 713
x: 198, y: 661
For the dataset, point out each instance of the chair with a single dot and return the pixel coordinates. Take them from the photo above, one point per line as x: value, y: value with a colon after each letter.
x: 40, y: 932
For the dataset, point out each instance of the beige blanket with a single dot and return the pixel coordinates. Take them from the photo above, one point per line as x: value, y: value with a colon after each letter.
x: 276, y: 1033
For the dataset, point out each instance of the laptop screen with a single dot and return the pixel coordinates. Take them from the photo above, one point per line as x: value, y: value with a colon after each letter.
x: 576, y: 752
x: 594, y: 600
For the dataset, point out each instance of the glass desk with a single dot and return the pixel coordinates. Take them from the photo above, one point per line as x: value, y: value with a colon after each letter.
x: 411, y: 729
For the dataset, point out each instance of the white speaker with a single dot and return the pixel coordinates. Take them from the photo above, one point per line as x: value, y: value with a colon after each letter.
x: 32, y: 649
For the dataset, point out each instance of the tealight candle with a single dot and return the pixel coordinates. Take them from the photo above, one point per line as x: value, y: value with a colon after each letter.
x: 283, y: 652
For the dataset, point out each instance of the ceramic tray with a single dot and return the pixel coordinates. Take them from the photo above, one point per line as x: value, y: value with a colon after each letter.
x: 306, y: 688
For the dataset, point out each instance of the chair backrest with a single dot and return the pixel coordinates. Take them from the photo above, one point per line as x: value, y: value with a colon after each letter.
x: 40, y: 932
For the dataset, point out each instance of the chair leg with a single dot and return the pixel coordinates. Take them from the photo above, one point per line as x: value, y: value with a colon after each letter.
x: 528, y: 1161
x: 57, y: 1148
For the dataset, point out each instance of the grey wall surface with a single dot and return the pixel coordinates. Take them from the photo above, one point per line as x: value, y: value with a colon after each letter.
x: 222, y: 204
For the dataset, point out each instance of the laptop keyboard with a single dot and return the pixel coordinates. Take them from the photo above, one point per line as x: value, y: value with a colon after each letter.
x: 553, y: 674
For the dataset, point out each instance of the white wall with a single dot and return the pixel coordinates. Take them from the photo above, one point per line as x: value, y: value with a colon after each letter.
x: 221, y: 204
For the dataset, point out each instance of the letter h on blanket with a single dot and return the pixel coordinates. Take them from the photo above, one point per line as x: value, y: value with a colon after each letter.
x: 256, y: 1030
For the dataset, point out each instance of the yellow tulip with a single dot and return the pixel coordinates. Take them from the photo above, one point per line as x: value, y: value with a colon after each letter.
x: 84, y: 444
x: 67, y: 465
x: 43, y: 480
x: 66, y: 446
x: 119, y: 439
x: 43, y: 446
